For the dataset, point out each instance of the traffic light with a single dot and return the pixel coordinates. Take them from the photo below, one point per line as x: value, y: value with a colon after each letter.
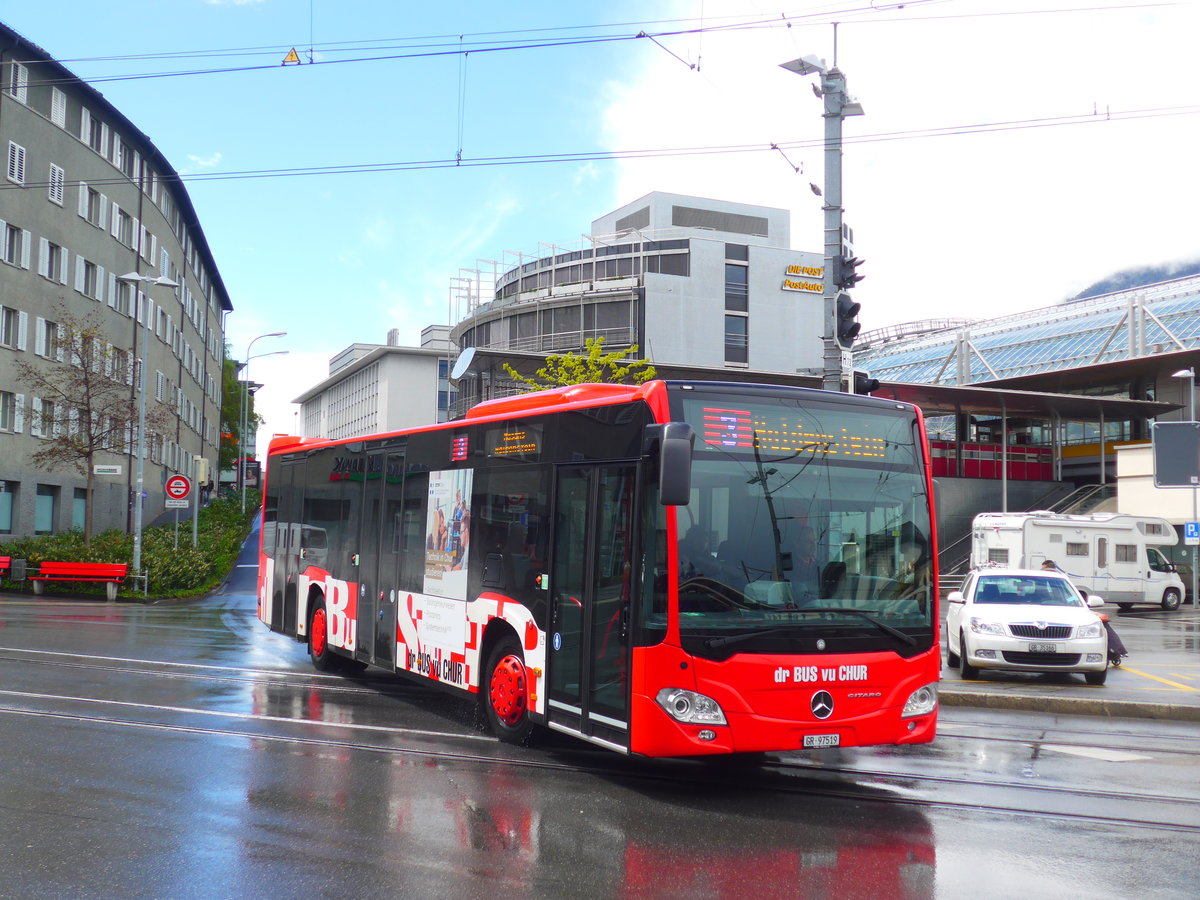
x: 848, y: 327
x: 864, y: 383
x: 849, y: 276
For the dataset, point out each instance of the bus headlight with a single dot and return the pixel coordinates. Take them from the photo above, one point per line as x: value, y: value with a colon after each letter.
x: 921, y: 702
x: 690, y: 707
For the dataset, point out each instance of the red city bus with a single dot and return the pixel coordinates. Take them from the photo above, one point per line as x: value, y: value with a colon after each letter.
x: 671, y: 569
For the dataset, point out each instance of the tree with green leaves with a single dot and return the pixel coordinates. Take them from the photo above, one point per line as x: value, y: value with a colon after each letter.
x: 231, y: 413
x: 594, y: 366
x: 82, y: 400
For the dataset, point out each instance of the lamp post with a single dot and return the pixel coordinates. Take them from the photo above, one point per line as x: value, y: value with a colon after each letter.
x: 139, y: 484
x: 838, y: 105
x: 1190, y: 375
x: 245, y: 423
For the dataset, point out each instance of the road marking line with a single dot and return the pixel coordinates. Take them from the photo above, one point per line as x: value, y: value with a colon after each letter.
x: 1096, y: 753
x: 1175, y: 684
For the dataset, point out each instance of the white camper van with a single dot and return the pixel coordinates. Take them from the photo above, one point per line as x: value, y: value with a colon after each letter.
x: 1109, y: 554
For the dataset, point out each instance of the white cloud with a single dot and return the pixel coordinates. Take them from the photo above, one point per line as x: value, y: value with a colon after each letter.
x: 201, y: 162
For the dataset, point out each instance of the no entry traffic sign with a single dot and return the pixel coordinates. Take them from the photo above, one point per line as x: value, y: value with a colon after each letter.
x: 178, y: 487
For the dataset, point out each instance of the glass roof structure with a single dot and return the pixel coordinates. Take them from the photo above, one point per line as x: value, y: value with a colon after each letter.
x: 1130, y: 324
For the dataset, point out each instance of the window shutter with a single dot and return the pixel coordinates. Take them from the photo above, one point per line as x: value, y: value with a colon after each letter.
x: 58, y: 420
x: 18, y: 413
x: 35, y: 417
x: 115, y: 224
x: 16, y: 163
x: 85, y: 125
x: 22, y: 329
x: 79, y: 274
x: 61, y: 332
x: 83, y: 199
x: 58, y: 180
x: 26, y: 247
x: 62, y: 272
x: 44, y: 257
x: 73, y: 422
x: 103, y: 151
x: 98, y: 357
x: 112, y: 290
x: 100, y: 284
x: 39, y: 337
x: 58, y: 107
x: 103, y: 217
x: 137, y: 166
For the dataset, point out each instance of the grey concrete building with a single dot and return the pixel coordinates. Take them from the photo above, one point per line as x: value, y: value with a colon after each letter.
x: 690, y: 281
x: 87, y: 198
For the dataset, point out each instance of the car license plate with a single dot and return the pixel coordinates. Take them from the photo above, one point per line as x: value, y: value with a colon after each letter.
x: 822, y: 740
x: 1043, y: 648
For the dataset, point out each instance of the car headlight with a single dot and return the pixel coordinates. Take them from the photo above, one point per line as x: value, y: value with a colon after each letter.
x: 983, y: 626
x: 1089, y: 631
x: 921, y: 702
x: 690, y: 707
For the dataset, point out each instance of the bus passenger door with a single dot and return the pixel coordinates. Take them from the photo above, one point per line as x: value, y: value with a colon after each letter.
x: 379, y: 564
x: 284, y: 602
x: 591, y: 584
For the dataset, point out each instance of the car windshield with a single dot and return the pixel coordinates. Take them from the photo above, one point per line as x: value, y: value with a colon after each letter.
x: 1035, y: 590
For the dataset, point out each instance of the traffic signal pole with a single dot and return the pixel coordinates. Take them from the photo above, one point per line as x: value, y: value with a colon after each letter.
x: 837, y: 359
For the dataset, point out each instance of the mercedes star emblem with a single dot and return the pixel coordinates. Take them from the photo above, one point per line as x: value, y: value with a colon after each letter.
x: 822, y: 704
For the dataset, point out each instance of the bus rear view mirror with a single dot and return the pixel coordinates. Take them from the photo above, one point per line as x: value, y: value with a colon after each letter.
x: 675, y: 464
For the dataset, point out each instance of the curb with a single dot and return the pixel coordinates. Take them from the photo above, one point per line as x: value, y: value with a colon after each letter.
x: 1080, y: 706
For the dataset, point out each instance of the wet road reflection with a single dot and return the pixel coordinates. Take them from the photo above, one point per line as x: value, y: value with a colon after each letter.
x: 184, y: 751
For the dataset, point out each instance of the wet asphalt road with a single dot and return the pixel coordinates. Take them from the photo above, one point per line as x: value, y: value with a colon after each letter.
x: 182, y: 751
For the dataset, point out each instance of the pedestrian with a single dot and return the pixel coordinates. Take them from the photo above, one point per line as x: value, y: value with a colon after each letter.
x: 1116, y: 647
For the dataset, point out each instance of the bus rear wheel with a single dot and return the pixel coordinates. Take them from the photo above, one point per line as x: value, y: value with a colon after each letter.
x: 322, y: 657
x: 505, y: 693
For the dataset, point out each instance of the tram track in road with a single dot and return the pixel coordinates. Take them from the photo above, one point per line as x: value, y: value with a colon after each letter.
x: 800, y: 779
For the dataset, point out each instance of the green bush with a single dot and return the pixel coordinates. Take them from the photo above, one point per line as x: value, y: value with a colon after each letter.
x: 182, y: 572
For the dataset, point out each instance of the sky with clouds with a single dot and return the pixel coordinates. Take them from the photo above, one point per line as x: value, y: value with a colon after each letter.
x: 1011, y: 153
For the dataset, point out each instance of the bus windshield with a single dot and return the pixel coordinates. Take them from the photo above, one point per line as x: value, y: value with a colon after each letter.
x: 809, y: 518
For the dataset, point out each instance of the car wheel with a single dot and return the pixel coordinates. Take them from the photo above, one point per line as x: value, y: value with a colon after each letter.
x: 951, y: 656
x: 1171, y: 599
x: 968, y: 671
x: 1096, y: 678
x: 1124, y: 607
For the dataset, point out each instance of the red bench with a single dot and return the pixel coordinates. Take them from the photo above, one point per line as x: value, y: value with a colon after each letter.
x: 110, y: 573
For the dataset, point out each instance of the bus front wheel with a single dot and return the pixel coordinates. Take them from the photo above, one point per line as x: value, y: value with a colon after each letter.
x: 505, y: 693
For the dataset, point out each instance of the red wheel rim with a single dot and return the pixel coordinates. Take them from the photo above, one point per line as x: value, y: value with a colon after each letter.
x: 317, y: 633
x: 507, y: 690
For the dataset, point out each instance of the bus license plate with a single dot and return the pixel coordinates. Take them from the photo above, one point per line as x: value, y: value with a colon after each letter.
x: 1043, y: 648
x: 821, y: 740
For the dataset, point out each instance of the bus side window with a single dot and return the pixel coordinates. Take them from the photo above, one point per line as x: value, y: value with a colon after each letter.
x: 412, y: 532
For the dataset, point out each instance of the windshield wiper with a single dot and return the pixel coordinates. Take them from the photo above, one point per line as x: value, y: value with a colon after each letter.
x: 717, y: 642
x: 882, y: 626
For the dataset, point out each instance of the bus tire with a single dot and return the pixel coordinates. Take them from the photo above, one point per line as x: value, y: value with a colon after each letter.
x: 1170, y: 599
x: 319, y: 651
x: 505, y: 692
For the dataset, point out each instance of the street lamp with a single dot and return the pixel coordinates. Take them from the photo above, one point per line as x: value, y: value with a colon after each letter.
x: 135, y: 278
x: 1190, y: 375
x: 245, y: 422
x: 838, y: 105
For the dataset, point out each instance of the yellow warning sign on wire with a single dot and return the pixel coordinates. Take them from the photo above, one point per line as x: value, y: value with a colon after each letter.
x: 292, y: 57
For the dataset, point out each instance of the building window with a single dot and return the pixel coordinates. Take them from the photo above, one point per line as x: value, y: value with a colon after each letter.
x: 16, y: 246
x: 16, y: 163
x: 125, y: 158
x: 10, y: 327
x: 79, y: 509
x: 737, y: 339
x: 95, y: 135
x: 8, y: 490
x: 18, y: 83
x: 1074, y: 549
x: 8, y: 410
x: 58, y: 180
x: 47, y: 339
x: 124, y: 232
x: 737, y: 251
x: 122, y: 302
x: 1126, y: 553
x: 90, y: 205
x: 43, y: 516
x: 53, y: 263
x: 89, y: 284
x: 737, y: 287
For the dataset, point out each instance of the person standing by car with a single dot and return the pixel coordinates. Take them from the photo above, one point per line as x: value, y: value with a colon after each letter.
x: 1116, y: 647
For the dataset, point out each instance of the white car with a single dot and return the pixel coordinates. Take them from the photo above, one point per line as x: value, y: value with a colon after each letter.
x: 1027, y: 621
